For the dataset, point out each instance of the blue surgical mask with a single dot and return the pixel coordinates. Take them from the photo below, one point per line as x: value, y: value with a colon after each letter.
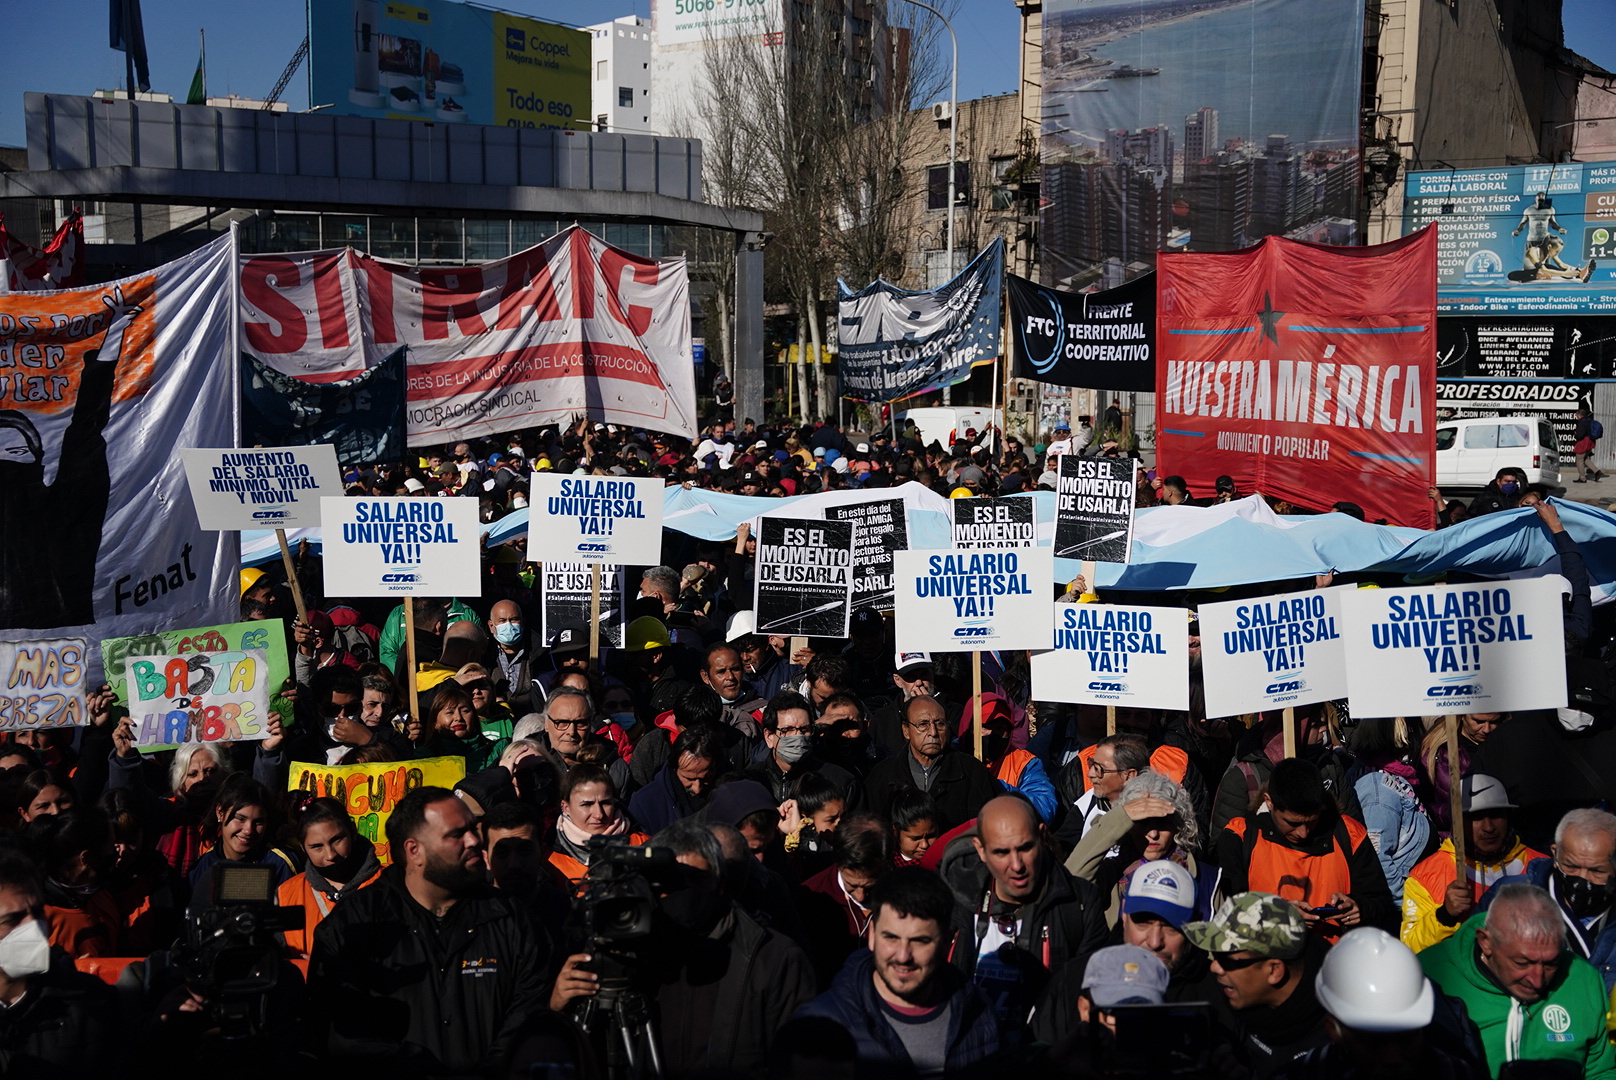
x: 1509, y: 487
x: 625, y: 720
x: 508, y: 633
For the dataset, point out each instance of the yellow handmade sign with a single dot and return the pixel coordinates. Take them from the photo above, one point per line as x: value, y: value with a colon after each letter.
x: 371, y: 791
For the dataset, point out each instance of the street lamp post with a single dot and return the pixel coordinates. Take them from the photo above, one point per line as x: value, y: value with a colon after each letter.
x: 953, y: 138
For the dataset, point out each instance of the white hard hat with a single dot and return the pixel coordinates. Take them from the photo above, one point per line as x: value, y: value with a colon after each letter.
x: 740, y: 625
x: 1371, y: 981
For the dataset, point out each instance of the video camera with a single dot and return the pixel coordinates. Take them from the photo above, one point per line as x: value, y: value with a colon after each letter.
x: 232, y: 956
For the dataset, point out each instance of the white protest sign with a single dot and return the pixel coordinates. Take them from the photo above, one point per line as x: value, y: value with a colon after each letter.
x: 879, y: 529
x: 42, y: 684
x: 1116, y: 654
x: 262, y: 488
x: 402, y: 546
x: 951, y: 600
x: 595, y: 519
x: 1273, y: 652
x: 198, y: 697
x: 983, y: 524
x: 1440, y: 649
x: 804, y: 577
x: 1094, y: 500
x: 567, y: 600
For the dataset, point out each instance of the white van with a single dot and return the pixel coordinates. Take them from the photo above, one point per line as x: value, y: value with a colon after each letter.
x: 1470, y: 452
x: 943, y: 423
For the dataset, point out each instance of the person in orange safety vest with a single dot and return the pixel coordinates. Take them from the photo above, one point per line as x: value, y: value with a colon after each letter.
x: 340, y: 863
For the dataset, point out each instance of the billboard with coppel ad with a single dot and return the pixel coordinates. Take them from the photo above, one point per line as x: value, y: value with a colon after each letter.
x: 445, y: 62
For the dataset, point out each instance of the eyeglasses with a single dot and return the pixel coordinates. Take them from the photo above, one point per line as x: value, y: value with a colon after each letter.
x: 331, y: 710
x: 1228, y: 962
x: 1096, y: 769
x: 793, y: 730
x: 571, y: 723
x: 927, y: 725
x: 481, y: 684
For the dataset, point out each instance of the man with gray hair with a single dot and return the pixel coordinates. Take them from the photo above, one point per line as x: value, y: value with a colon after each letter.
x: 1530, y: 998
x: 569, y: 724
x: 1580, y: 873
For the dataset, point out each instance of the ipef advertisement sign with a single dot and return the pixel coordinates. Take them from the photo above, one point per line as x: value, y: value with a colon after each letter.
x: 804, y: 577
x: 955, y: 600
x: 1273, y: 652
x: 1495, y: 646
x: 263, y: 487
x: 1194, y: 125
x: 1305, y: 372
x: 1094, y: 503
x: 590, y: 519
x: 447, y: 63
x: 1520, y: 240
x: 402, y: 546
x: 1116, y: 654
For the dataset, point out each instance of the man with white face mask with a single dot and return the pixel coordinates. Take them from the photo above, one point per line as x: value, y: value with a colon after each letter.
x: 54, y: 1019
x: 788, y: 752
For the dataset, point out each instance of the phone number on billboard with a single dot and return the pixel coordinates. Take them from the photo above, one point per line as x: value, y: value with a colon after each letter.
x: 696, y: 7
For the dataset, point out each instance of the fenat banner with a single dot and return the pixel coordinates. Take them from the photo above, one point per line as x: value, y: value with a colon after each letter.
x: 1455, y: 649
x: 1102, y: 340
x: 955, y: 600
x: 1116, y: 654
x: 371, y: 792
x: 572, y: 326
x: 1307, y: 373
x: 100, y: 388
x: 1273, y: 652
x: 42, y: 684
x: 896, y: 344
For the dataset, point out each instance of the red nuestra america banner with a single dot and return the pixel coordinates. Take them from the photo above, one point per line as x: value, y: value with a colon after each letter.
x: 1304, y: 372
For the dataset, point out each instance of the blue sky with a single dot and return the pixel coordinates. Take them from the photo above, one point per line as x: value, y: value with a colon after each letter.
x: 60, y: 45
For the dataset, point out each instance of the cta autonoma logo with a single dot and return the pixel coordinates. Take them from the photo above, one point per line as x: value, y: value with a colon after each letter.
x: 1286, y: 686
x: 976, y: 628
x: 1453, y: 688
x: 396, y: 577
x: 1100, y: 687
x: 594, y: 547
x: 271, y: 515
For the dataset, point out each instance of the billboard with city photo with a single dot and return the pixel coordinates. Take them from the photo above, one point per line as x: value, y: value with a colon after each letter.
x: 1524, y: 240
x: 1195, y: 125
x: 446, y: 62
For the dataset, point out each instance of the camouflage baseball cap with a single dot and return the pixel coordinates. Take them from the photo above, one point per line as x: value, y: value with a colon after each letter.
x: 1252, y: 922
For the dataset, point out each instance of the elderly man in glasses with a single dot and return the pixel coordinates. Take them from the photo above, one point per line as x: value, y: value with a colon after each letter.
x: 957, y: 783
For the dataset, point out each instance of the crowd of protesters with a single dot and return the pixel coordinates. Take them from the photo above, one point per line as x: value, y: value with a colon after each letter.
x: 853, y: 890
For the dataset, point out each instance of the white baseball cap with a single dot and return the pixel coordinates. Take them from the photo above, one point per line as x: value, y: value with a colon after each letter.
x: 1161, y: 888
x: 908, y: 660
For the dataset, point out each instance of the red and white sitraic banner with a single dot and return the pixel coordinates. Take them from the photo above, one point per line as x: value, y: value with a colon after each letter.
x: 571, y: 327
x: 1303, y: 372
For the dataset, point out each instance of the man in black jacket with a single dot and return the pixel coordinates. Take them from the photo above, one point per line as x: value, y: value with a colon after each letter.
x: 957, y: 783
x: 54, y: 1021
x: 1019, y: 916
x: 429, y: 969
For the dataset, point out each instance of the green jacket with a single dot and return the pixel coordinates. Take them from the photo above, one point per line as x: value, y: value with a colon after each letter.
x: 393, y: 644
x: 1568, y: 1026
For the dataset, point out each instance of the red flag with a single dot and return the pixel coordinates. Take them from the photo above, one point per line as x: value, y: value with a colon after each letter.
x: 1302, y: 371
x: 59, y: 265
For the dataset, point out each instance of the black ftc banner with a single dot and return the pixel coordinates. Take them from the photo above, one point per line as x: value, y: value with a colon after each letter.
x: 1100, y: 340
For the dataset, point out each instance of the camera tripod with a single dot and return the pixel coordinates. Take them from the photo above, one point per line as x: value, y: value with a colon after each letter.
x: 621, y: 1019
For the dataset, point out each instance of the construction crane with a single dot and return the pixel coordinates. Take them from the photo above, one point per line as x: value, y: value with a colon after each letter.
x: 286, y: 76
